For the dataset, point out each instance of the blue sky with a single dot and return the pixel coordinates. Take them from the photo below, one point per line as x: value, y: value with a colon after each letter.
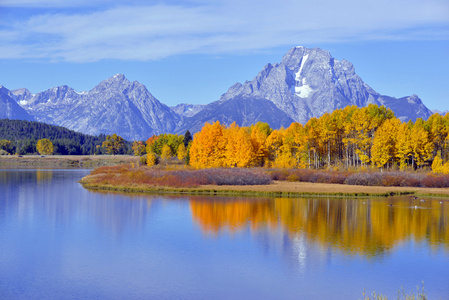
x: 193, y: 51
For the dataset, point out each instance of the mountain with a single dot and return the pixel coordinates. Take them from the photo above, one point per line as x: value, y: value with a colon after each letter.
x: 310, y: 82
x: 9, y: 109
x: 436, y: 111
x: 243, y: 111
x: 187, y: 110
x: 116, y: 105
x: 306, y: 83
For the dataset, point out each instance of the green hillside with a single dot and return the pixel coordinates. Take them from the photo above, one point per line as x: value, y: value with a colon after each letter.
x: 24, y: 135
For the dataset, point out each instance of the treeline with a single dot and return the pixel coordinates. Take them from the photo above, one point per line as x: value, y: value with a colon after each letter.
x: 21, y: 137
x: 351, y: 137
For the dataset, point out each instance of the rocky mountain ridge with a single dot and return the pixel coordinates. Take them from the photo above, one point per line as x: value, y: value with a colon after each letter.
x: 309, y: 82
x: 9, y: 108
x: 116, y: 105
x: 306, y: 83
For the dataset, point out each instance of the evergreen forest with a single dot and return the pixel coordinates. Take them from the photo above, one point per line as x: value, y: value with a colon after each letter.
x: 21, y: 137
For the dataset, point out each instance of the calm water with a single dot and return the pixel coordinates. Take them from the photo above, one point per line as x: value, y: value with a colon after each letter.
x: 60, y: 241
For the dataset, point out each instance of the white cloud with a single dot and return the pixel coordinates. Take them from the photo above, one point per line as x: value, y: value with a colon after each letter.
x: 157, y: 31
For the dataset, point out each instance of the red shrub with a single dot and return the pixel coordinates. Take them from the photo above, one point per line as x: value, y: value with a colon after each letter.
x: 179, y: 178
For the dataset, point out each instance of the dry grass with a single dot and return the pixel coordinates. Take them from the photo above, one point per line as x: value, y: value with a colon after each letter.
x: 228, y: 181
x: 176, y: 179
x: 83, y: 161
x: 123, y: 175
x: 330, y: 188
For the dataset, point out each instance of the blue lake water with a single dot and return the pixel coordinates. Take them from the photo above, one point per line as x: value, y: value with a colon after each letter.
x: 60, y: 241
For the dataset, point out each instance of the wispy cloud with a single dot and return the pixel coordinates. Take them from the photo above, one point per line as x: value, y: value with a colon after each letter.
x: 147, y: 32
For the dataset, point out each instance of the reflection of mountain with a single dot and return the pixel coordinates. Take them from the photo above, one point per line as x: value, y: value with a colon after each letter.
x: 56, y: 195
x: 367, y: 227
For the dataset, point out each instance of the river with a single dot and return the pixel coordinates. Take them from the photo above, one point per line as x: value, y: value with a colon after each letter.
x: 60, y: 241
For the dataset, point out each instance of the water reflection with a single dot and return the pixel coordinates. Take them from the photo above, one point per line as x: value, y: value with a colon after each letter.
x: 54, y: 195
x: 368, y: 227
x: 59, y: 239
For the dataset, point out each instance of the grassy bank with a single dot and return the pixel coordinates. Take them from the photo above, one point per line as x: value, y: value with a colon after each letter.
x: 241, y: 182
x: 77, y: 161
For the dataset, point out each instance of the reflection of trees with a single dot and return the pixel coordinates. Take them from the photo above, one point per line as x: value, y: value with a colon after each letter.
x: 214, y: 215
x: 370, y: 227
x: 44, y: 175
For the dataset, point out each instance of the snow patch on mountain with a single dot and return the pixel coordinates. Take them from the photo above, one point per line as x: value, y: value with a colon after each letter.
x: 303, y: 61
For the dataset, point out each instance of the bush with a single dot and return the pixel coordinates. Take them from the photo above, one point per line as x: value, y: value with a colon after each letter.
x: 386, y: 179
x: 307, y: 175
x: 143, y: 160
x: 155, y: 176
x: 436, y: 181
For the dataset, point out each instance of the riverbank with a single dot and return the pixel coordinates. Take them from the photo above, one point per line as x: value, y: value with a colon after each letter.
x: 275, y: 189
x: 76, y: 161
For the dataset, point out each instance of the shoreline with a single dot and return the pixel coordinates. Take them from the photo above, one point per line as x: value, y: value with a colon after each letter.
x: 277, y: 189
x: 77, y: 161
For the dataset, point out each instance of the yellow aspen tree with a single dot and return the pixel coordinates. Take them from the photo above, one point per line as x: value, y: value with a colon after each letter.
x: 113, y: 144
x: 240, y: 152
x: 6, y: 146
x: 45, y: 147
x: 314, y: 146
x: 259, y: 134
x: 285, y: 158
x: 349, y: 133
x: 384, y: 149
x: 366, y: 121
x: 438, y: 166
x: 208, y: 147
x: 151, y: 159
x: 166, y: 153
x: 182, y: 151
x: 274, y: 143
x: 339, y: 119
x: 295, y: 142
x: 231, y: 151
x: 422, y: 146
x: 404, y: 145
x: 362, y: 129
x: 328, y: 131
x: 438, y: 130
x: 445, y: 150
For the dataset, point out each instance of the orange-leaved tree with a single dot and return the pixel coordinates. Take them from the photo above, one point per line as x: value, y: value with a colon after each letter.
x: 209, y: 147
x: 240, y: 152
x: 259, y: 134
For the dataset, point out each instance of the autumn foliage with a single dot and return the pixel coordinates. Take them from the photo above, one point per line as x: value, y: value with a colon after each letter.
x: 350, y: 138
x: 371, y: 228
x: 45, y: 147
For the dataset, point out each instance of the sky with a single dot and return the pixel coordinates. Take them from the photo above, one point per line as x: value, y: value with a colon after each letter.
x: 193, y: 51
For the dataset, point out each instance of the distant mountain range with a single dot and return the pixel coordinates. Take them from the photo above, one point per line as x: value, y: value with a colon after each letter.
x: 436, y: 111
x: 306, y: 83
